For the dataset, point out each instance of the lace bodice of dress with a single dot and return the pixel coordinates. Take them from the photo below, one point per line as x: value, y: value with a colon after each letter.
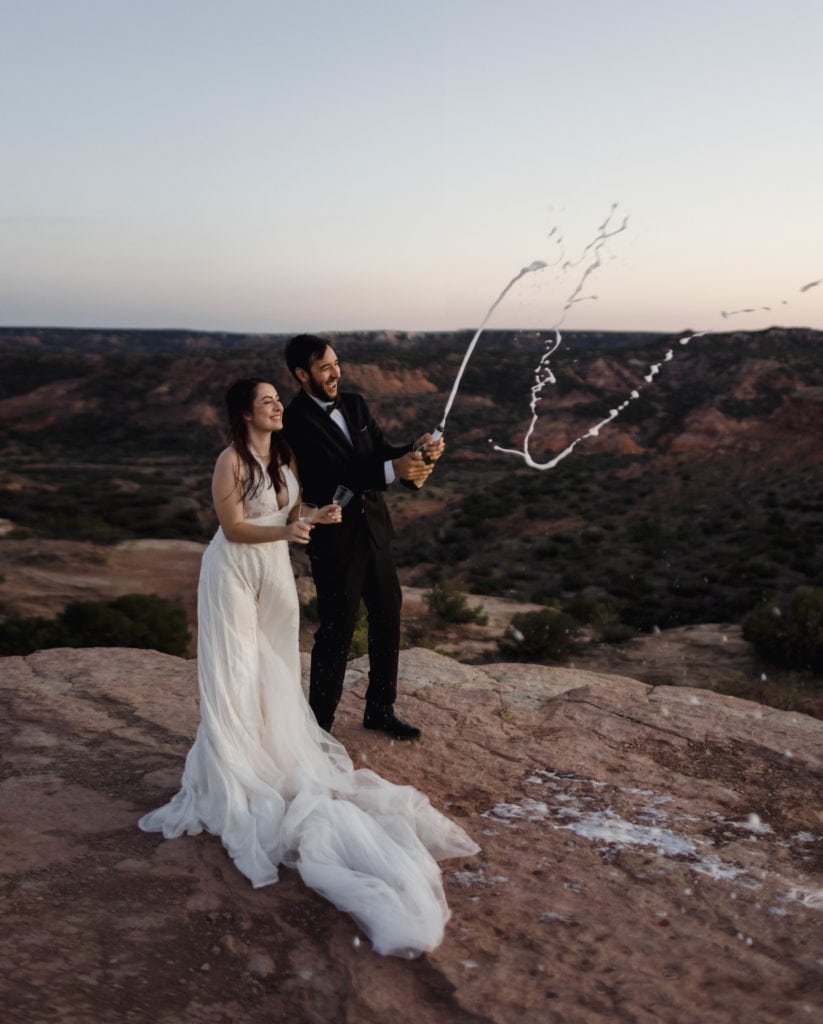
x: 264, y: 501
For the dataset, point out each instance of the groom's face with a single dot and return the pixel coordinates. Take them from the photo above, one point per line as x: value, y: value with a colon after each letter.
x: 323, y: 377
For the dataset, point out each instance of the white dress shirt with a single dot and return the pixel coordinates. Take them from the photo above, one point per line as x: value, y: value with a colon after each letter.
x: 340, y: 420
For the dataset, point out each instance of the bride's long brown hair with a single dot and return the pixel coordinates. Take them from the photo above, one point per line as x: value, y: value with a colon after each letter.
x: 239, y: 401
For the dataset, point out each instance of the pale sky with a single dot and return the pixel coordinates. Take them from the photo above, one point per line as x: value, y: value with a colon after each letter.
x: 256, y: 165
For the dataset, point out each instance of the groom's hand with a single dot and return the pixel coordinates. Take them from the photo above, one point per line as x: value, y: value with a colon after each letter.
x: 411, y: 467
x: 432, y: 449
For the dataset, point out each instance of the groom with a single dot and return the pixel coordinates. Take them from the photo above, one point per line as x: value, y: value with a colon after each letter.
x: 336, y: 441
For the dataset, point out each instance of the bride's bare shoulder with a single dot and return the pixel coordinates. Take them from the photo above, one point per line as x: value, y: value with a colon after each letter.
x: 229, y: 463
x: 229, y: 456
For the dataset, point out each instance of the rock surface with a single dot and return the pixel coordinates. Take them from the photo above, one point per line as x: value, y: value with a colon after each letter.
x: 649, y: 854
x: 39, y: 577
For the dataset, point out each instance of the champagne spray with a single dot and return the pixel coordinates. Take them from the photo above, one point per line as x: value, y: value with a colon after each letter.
x: 441, y: 426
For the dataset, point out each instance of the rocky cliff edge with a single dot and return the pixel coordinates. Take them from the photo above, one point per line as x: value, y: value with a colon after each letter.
x: 649, y: 854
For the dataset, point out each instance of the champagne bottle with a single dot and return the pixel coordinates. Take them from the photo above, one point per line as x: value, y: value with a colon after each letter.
x: 437, y: 433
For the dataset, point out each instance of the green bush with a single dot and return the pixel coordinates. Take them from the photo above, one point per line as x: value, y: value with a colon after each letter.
x: 135, y: 620
x: 788, y: 631
x: 543, y: 635
x: 616, y: 633
x: 21, y: 636
x: 593, y: 611
x: 449, y: 605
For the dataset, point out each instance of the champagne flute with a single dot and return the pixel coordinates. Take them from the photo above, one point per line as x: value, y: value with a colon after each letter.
x: 342, y: 496
x: 308, y: 512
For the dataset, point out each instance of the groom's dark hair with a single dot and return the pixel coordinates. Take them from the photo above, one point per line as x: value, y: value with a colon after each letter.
x: 302, y: 350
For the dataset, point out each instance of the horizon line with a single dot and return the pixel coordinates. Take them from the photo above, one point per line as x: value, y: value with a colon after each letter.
x: 391, y: 330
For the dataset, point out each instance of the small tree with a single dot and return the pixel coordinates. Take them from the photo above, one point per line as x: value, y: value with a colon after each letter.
x: 593, y: 611
x: 449, y: 605
x: 788, y: 630
x: 540, y: 636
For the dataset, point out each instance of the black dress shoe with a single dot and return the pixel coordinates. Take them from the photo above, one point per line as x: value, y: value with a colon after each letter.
x: 391, y: 724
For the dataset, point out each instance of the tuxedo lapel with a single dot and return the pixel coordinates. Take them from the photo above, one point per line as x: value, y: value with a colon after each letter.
x: 320, y: 420
x: 325, y: 457
x: 359, y: 435
x: 342, y: 412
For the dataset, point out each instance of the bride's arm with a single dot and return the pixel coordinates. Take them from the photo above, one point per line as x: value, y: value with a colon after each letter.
x: 226, y: 494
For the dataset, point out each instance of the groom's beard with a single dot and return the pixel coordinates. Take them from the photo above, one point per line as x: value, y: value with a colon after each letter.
x: 319, y: 390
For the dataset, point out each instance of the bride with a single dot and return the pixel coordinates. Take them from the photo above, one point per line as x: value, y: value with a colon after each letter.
x: 261, y: 773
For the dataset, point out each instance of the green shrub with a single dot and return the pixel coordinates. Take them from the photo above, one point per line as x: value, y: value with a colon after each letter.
x: 415, y: 634
x: 592, y: 611
x: 21, y: 636
x: 788, y: 630
x: 543, y: 635
x: 134, y: 620
x: 449, y: 605
x: 616, y: 633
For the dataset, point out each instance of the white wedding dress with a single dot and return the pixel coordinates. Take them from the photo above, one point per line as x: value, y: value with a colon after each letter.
x: 276, y: 788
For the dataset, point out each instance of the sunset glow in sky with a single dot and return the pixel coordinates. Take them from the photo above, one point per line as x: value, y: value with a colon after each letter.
x: 327, y: 165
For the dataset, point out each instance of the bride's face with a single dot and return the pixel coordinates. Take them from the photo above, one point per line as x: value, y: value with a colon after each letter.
x: 266, y: 409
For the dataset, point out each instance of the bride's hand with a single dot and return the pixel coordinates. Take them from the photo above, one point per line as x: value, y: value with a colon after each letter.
x: 298, y: 533
x: 329, y: 514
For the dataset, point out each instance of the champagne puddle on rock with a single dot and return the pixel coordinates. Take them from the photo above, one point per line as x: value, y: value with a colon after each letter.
x: 614, y: 818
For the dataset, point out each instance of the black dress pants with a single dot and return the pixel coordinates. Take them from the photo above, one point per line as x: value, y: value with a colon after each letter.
x: 341, y: 579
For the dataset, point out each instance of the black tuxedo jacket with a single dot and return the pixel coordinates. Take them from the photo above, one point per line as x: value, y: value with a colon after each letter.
x: 325, y: 459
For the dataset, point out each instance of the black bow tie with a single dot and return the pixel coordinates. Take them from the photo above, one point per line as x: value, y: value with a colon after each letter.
x: 331, y: 406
